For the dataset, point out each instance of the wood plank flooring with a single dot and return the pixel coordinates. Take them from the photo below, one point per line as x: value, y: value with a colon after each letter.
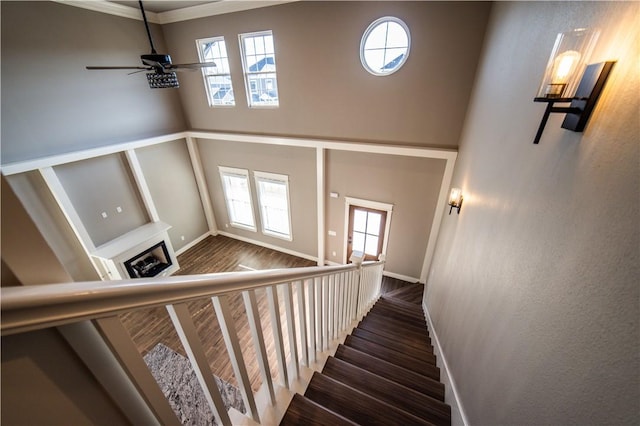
x: 149, y: 327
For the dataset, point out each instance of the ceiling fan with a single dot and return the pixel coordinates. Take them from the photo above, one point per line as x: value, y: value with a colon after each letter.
x: 163, y: 71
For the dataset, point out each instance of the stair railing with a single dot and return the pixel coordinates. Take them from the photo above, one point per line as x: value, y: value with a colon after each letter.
x: 327, y: 302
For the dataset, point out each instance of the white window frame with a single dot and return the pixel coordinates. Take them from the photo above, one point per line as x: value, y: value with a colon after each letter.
x: 365, y: 36
x: 230, y: 171
x: 282, y: 179
x: 251, y: 74
x: 199, y: 45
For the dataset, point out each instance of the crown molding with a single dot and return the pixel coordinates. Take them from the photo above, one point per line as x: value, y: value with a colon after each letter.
x: 194, y: 12
x: 218, y: 8
x: 110, y: 8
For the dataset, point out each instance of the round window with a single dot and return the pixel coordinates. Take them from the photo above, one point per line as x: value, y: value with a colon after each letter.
x: 385, y: 46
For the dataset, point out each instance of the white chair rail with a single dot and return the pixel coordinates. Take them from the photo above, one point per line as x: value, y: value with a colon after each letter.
x: 320, y: 303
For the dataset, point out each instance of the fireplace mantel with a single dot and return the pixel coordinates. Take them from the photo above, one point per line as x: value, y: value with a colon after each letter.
x: 111, y: 256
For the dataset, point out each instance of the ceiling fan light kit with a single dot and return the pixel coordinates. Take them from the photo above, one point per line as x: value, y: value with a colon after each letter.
x: 162, y: 75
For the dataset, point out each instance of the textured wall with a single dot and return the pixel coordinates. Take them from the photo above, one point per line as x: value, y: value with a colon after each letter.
x: 51, y: 104
x: 325, y: 91
x: 534, y: 287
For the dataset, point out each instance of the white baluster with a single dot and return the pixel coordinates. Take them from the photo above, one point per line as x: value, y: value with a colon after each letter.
x: 253, y: 316
x: 302, y: 321
x: 291, y: 327
x: 192, y: 345
x: 227, y: 326
x: 274, y: 312
x: 319, y: 314
x: 325, y: 313
x: 311, y: 292
x: 134, y: 364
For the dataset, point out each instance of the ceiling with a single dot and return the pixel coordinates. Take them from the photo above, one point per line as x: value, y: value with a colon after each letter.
x: 159, y: 6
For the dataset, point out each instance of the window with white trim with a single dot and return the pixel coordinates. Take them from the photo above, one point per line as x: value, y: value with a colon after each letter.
x: 273, y: 199
x: 217, y: 80
x: 259, y: 63
x: 237, y: 193
x: 385, y: 45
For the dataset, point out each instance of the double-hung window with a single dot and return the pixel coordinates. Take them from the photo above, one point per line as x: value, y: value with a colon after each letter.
x: 273, y: 199
x: 237, y: 193
x: 217, y: 79
x: 259, y: 63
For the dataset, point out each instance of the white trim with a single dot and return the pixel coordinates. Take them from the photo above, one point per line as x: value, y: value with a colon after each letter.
x: 66, y: 206
x: 282, y: 179
x: 377, y: 205
x: 56, y: 160
x: 401, y: 277
x: 267, y: 245
x: 320, y: 194
x: 448, y: 378
x: 211, y: 9
x: 187, y: 13
x: 192, y: 243
x: 232, y: 171
x: 111, y: 8
x: 409, y: 151
x: 443, y: 198
x: 141, y: 182
x: 201, y: 182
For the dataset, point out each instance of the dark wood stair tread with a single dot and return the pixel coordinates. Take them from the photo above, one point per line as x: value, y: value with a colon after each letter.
x: 391, y: 312
x: 303, y: 411
x: 393, y: 325
x: 419, y: 342
x: 356, y: 405
x: 412, y: 293
x: 393, y: 393
x: 393, y: 356
x: 402, y: 307
x: 408, y: 378
x: 396, y: 344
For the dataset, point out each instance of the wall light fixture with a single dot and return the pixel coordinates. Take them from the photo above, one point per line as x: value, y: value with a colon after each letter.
x: 568, y: 79
x: 455, y: 199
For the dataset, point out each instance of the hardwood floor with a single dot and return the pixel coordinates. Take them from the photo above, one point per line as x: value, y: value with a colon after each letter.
x: 149, y: 327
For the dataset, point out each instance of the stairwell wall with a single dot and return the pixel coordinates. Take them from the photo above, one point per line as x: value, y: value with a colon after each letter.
x: 533, y: 291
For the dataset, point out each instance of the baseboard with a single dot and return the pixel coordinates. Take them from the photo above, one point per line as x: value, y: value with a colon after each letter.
x: 269, y: 246
x: 401, y: 277
x: 446, y: 378
x: 191, y: 244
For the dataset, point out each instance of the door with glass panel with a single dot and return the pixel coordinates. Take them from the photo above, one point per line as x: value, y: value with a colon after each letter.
x: 366, y: 231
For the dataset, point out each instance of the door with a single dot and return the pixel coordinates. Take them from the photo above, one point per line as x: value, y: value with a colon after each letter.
x: 366, y: 231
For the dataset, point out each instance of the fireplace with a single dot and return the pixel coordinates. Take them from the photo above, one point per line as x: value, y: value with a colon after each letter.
x: 150, y: 262
x: 142, y: 253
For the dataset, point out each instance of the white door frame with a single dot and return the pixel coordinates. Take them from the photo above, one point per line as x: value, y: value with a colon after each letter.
x: 377, y: 205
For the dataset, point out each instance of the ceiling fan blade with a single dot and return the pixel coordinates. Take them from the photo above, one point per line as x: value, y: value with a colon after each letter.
x: 194, y: 66
x: 118, y: 68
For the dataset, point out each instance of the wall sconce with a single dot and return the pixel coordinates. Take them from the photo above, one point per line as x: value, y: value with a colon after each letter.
x: 455, y: 199
x: 565, y: 82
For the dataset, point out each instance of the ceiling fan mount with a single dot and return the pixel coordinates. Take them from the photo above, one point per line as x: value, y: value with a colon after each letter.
x: 162, y: 73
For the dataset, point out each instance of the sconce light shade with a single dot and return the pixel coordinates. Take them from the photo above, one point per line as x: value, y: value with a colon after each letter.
x: 455, y: 199
x: 568, y: 79
x: 568, y: 59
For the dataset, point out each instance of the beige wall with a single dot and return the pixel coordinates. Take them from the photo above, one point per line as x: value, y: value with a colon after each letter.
x: 102, y: 184
x: 411, y: 184
x: 325, y: 91
x: 51, y: 104
x: 534, y: 286
x: 169, y: 175
x: 297, y: 163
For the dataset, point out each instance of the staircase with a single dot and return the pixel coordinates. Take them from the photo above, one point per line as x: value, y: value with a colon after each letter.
x: 384, y: 373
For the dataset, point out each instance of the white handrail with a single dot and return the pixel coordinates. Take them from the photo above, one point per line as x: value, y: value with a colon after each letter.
x: 335, y: 296
x: 41, y: 306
